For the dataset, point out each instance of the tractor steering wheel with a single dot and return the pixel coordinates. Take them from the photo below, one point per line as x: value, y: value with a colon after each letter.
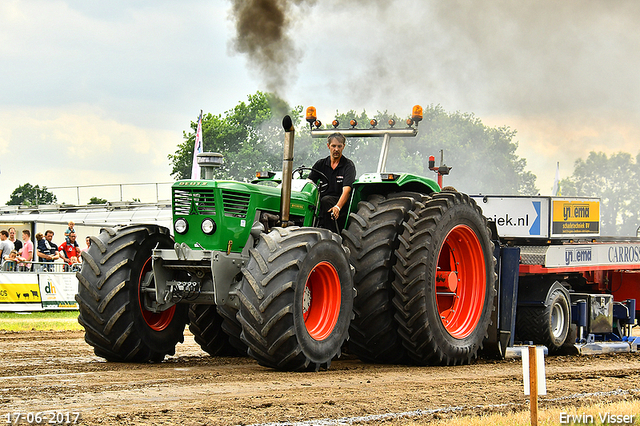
x: 323, y: 182
x: 301, y: 168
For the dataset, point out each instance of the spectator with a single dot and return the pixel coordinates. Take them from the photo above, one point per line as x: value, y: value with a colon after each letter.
x: 27, y: 251
x: 47, y: 250
x: 70, y: 251
x: 17, y: 244
x: 69, y: 231
x: 88, y: 241
x: 5, y: 245
x: 11, y: 261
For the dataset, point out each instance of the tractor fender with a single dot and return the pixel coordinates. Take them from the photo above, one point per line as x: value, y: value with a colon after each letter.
x: 536, y: 292
x: 372, y: 183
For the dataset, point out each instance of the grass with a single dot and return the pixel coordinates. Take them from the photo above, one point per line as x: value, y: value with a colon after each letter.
x: 39, y: 321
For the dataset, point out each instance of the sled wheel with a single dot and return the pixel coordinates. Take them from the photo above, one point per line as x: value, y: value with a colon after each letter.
x: 545, y: 325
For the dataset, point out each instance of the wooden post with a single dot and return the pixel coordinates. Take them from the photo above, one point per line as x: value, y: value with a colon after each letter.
x: 533, y: 385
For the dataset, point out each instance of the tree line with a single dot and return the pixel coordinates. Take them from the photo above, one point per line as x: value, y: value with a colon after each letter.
x: 250, y: 137
x: 614, y: 180
x: 33, y: 195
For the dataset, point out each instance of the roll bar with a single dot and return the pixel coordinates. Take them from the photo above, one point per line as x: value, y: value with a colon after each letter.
x: 386, y: 134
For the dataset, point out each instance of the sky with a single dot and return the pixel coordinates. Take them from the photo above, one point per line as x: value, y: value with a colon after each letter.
x: 98, y: 93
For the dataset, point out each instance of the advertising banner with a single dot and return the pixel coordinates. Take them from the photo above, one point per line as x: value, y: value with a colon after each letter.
x: 58, y: 290
x: 579, y: 218
x: 572, y: 255
x: 519, y: 217
x: 19, y: 292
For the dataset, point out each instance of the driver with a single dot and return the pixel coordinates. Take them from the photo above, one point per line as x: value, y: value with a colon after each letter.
x: 335, y: 194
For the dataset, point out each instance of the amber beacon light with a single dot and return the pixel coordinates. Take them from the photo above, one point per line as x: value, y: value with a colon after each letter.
x: 311, y: 115
x: 416, y: 114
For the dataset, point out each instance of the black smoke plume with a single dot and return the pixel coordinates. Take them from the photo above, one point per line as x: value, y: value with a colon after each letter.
x: 262, y: 32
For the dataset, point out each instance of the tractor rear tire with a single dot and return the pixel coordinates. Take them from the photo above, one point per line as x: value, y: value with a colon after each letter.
x: 445, y: 281
x: 110, y: 299
x: 546, y: 325
x: 206, y: 325
x: 232, y: 327
x: 296, y: 299
x: 372, y: 238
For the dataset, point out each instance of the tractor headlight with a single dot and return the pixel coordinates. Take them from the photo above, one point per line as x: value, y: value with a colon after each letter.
x: 208, y: 226
x: 181, y: 226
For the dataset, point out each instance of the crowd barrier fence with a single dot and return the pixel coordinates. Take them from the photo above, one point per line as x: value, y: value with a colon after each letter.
x: 38, y: 286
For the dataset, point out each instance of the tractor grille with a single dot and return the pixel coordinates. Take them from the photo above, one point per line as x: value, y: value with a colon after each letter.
x: 203, y: 200
x: 236, y: 204
x: 181, y: 202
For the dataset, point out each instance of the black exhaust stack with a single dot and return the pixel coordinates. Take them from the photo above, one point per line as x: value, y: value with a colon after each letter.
x: 287, y: 168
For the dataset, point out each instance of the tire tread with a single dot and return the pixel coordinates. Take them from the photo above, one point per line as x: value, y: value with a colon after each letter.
x: 104, y: 289
x: 420, y: 232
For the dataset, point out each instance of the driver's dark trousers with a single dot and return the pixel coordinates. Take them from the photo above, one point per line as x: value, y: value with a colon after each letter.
x: 326, y: 221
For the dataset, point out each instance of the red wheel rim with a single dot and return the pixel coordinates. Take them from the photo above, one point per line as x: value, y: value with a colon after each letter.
x: 321, y: 301
x: 156, y: 321
x: 461, y: 282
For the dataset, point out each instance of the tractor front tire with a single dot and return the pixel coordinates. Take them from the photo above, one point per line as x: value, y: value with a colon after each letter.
x: 445, y: 281
x: 110, y: 296
x: 296, y: 299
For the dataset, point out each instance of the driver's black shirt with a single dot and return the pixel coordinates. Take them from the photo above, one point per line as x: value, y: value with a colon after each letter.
x: 341, y: 176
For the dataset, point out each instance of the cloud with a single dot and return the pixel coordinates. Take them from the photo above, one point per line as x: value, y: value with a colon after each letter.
x: 101, y: 93
x: 128, y: 57
x: 68, y: 147
x: 545, y: 139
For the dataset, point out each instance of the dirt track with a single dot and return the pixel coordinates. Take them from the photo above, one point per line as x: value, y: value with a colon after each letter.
x: 42, y: 371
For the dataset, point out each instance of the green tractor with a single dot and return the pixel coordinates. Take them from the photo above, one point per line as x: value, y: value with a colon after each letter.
x: 409, y: 280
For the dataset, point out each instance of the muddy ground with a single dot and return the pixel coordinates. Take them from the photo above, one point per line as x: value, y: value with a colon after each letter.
x: 42, y: 371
